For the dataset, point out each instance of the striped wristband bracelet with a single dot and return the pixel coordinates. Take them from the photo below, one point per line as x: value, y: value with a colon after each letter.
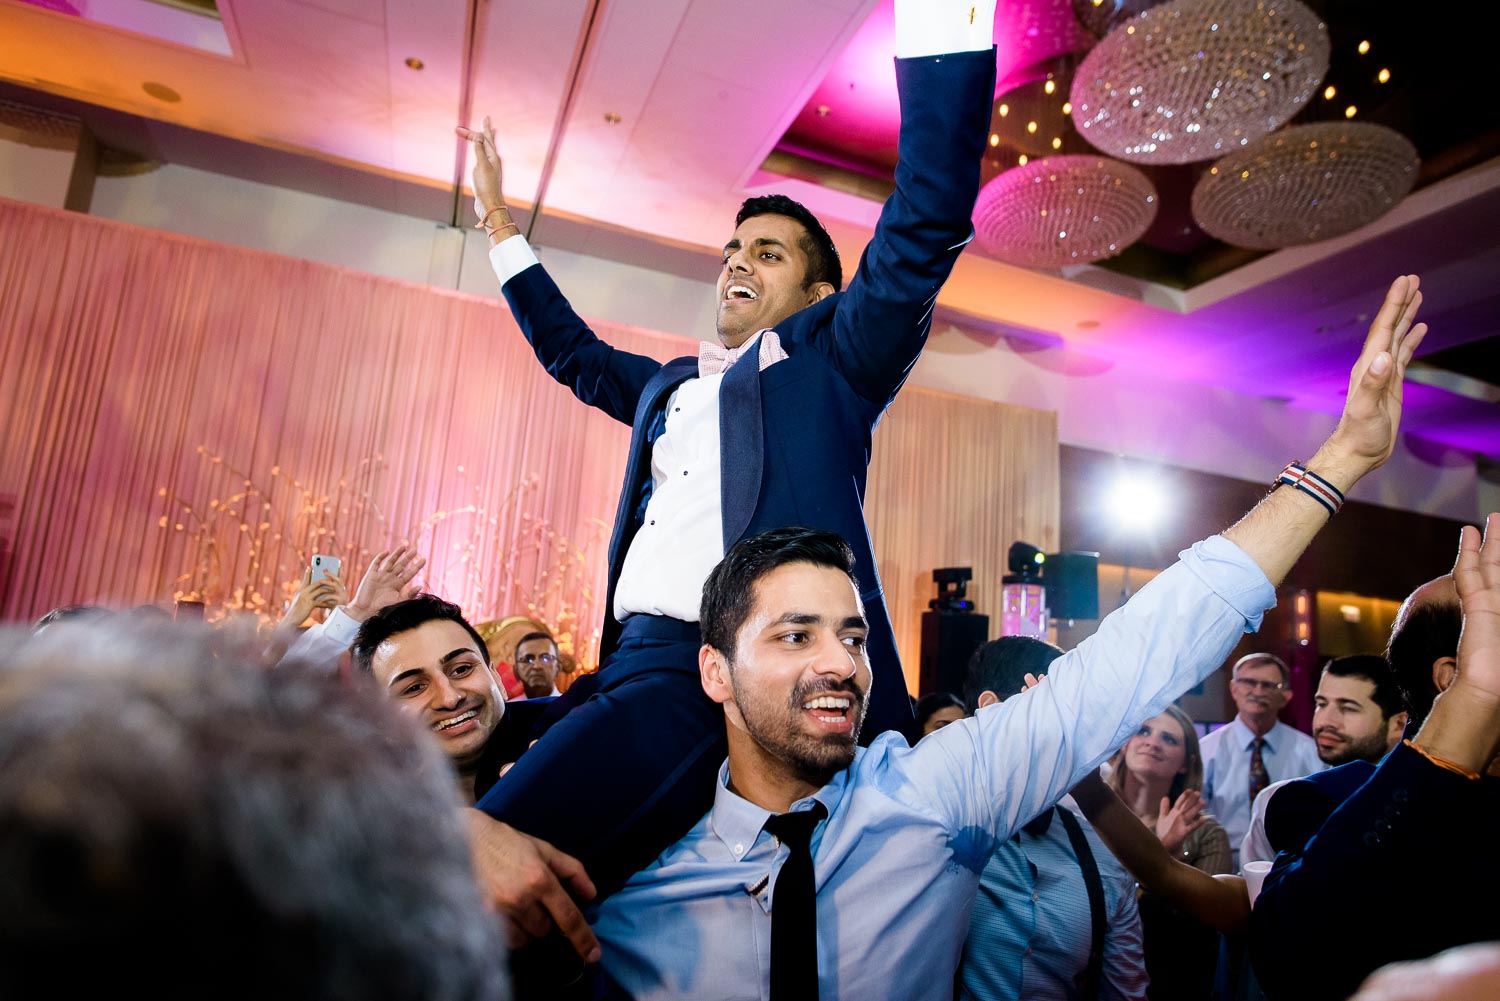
x: 1297, y: 475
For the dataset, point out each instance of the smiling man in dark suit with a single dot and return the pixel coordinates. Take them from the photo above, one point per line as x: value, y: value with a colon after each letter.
x: 769, y: 427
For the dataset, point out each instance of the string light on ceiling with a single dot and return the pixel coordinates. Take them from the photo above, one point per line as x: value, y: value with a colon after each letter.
x: 1304, y: 184
x: 1100, y: 17
x: 1063, y: 210
x: 1193, y: 79
x: 1033, y: 119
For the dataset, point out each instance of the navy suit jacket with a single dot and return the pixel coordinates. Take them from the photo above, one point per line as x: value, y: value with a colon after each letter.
x: 1404, y: 868
x: 1299, y: 809
x: 795, y: 438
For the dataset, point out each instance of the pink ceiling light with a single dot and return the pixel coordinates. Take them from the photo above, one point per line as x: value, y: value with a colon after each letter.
x: 1194, y: 79
x: 1304, y: 184
x: 1063, y: 210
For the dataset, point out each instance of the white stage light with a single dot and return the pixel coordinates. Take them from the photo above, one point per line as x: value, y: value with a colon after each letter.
x: 1137, y: 502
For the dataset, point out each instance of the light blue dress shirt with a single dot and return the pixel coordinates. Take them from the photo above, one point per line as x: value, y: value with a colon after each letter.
x: 1032, y: 927
x: 910, y: 829
x: 1288, y: 754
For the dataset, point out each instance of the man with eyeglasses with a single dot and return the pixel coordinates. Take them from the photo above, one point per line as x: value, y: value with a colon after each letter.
x: 1254, y: 749
x: 535, y: 664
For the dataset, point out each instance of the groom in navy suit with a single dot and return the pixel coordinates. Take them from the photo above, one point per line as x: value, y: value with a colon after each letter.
x: 771, y: 427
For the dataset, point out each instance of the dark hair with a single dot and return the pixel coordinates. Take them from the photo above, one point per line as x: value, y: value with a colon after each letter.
x: 932, y: 702
x: 1001, y: 666
x: 1377, y: 671
x: 1423, y: 634
x: 71, y: 613
x: 729, y: 592
x: 405, y: 616
x: 823, y: 263
x: 535, y: 636
x: 1262, y: 658
x: 291, y: 836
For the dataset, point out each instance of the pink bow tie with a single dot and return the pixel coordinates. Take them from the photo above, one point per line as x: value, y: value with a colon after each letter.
x: 715, y: 358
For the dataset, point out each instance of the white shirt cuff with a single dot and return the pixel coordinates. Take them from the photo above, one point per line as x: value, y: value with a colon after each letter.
x: 341, y: 627
x: 933, y: 27
x: 511, y: 256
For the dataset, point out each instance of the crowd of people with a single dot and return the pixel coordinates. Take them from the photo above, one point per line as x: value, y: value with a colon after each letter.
x: 741, y: 802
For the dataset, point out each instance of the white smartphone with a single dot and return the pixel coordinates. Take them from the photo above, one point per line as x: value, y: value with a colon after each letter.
x: 325, y: 566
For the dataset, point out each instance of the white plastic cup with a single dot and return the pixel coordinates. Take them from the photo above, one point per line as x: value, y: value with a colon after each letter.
x: 1255, y: 874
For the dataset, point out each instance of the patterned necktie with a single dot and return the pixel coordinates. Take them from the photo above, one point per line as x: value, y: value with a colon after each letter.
x: 1259, y: 778
x: 794, y: 914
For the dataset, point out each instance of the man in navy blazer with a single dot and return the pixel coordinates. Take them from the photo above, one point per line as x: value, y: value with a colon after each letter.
x: 1411, y: 842
x: 779, y: 437
x: 1422, y: 652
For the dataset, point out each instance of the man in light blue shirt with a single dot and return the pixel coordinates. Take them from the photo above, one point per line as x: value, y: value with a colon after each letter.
x: 1260, y: 686
x: 908, y: 830
x: 1056, y: 914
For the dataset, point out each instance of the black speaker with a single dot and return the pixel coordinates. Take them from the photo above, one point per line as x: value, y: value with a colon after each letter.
x: 949, y: 639
x: 1072, y: 582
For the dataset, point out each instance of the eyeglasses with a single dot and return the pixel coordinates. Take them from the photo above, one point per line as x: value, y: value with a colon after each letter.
x: 1261, y: 686
x: 537, y: 658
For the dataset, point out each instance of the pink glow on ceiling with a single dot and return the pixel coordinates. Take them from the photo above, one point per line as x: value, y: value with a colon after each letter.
x: 863, y: 117
x: 860, y: 95
x: 154, y: 20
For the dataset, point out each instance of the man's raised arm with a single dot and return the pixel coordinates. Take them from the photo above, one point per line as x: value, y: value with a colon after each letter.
x: 1178, y: 628
x: 598, y: 374
x: 945, y: 77
x: 1278, y: 529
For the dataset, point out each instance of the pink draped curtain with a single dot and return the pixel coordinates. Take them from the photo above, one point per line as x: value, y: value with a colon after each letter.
x: 188, y: 419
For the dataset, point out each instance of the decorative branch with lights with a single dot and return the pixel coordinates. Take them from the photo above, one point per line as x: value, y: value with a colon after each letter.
x: 244, y: 553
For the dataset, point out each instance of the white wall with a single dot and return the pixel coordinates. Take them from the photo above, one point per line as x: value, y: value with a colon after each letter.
x: 248, y: 214
x: 35, y: 166
x: 1135, y: 413
x: 1100, y: 407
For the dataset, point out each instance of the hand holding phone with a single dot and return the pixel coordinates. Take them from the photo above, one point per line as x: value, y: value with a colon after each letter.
x: 324, y: 567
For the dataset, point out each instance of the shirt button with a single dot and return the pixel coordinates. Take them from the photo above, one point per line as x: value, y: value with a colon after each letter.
x: 653, y: 521
x: 1035, y: 897
x: 739, y: 849
x: 1028, y: 951
x: 676, y: 410
x: 684, y: 472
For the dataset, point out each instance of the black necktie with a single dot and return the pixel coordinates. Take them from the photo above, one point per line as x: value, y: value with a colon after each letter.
x: 794, y: 914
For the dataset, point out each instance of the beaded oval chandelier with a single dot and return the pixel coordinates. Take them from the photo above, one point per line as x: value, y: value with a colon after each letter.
x: 1194, y: 79
x: 1063, y: 210
x: 1304, y: 184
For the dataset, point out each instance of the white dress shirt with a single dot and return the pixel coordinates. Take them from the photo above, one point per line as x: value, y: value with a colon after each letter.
x: 323, y: 643
x: 1257, y: 847
x: 681, y: 538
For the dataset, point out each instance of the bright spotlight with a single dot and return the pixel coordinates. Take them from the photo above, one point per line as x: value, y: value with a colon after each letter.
x: 1137, y: 503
